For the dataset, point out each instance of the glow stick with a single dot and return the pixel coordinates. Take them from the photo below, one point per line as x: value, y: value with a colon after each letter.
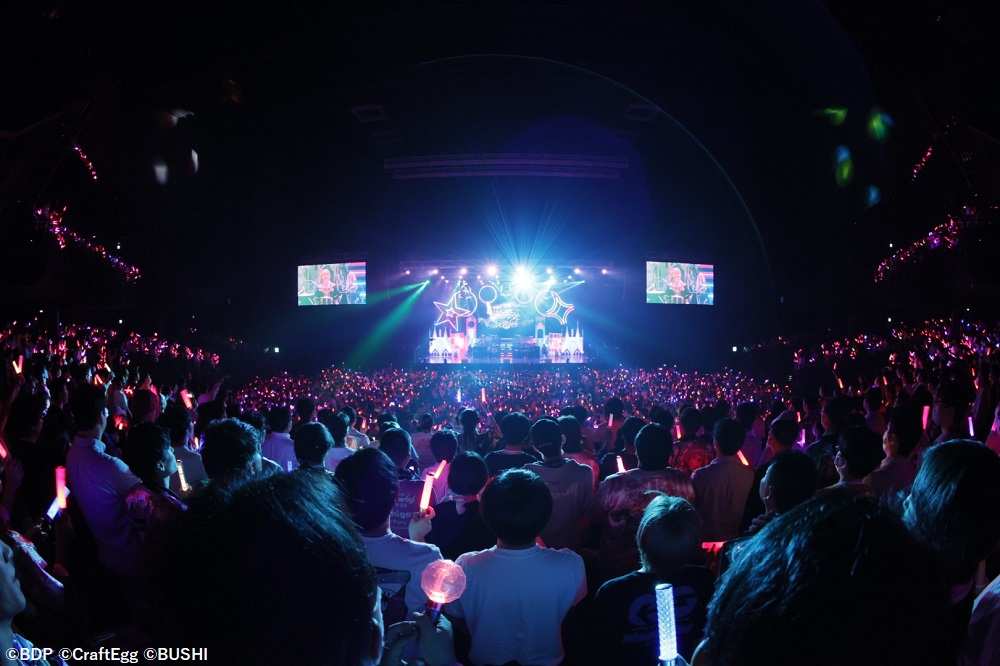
x: 61, y: 487
x: 18, y: 364
x: 459, y: 395
x: 442, y: 581
x: 743, y: 458
x: 180, y: 476
x: 665, y: 622
x: 840, y: 383
x: 927, y: 413
x: 972, y: 428
x: 186, y: 397
x: 482, y: 395
x: 798, y: 417
x: 611, y: 420
x: 425, y: 496
x: 440, y: 468
x: 802, y: 436
x: 712, y: 546
x: 291, y: 466
x: 197, y: 443
x: 621, y: 465
x: 677, y: 432
x: 3, y: 451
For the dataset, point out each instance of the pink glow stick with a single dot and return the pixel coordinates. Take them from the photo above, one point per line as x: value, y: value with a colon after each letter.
x: 927, y: 414
x: 621, y: 465
x: 186, y: 397
x: 61, y: 487
x: 743, y: 458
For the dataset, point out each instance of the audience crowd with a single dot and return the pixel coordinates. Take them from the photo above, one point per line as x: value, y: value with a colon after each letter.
x: 850, y: 514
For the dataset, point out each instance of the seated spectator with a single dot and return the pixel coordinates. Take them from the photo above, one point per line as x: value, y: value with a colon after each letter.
x: 444, y: 445
x: 370, y: 482
x: 721, y: 489
x: 471, y: 439
x: 313, y: 443
x: 858, y: 455
x: 421, y: 441
x: 624, y: 448
x: 950, y: 410
x: 515, y: 429
x: 952, y: 508
x: 788, y: 481
x: 278, y: 445
x: 576, y: 447
x: 457, y: 526
x: 150, y: 456
x: 145, y: 407
x: 622, y: 499
x: 782, y: 436
x: 232, y: 449
x: 23, y: 429
x: 623, y: 616
x: 833, y: 418
x: 13, y: 604
x: 337, y: 425
x: 395, y: 443
x: 517, y: 593
x: 571, y: 485
x: 180, y: 429
x: 842, y: 559
x: 896, y: 473
x: 691, y: 451
x: 294, y: 534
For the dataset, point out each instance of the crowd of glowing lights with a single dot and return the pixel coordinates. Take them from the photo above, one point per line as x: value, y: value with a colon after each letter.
x: 52, y: 218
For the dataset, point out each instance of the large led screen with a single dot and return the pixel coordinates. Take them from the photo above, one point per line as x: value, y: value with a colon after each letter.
x: 673, y: 282
x: 332, y: 284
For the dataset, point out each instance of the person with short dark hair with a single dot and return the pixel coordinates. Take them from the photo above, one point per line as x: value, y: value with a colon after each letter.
x: 100, y: 484
x: 622, y: 498
x: 950, y: 410
x: 623, y: 616
x: 691, y: 451
x: 278, y: 445
x: 858, y: 455
x: 782, y: 436
x: 421, y: 441
x: 833, y: 418
x: 515, y: 429
x: 517, y: 593
x: 896, y: 472
x: 337, y: 424
x: 305, y: 412
x: 180, y: 429
x: 395, y: 443
x: 444, y: 446
x: 952, y: 508
x: 457, y: 526
x: 370, y: 482
x: 232, y: 448
x: 788, y: 480
x: 312, y: 447
x: 840, y: 556
x: 571, y: 485
x: 721, y: 488
x: 150, y: 456
x: 295, y: 535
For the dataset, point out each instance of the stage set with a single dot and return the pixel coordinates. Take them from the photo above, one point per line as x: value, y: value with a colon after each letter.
x: 508, y: 315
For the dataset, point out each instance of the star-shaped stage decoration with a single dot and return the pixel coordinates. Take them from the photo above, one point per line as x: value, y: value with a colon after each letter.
x: 550, y: 304
x: 448, y: 313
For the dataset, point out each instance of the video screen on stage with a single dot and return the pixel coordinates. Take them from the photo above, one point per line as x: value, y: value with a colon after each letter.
x: 673, y: 282
x: 507, y: 320
x: 332, y: 284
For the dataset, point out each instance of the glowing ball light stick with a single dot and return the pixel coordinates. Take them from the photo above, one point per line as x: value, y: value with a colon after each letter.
x: 61, y: 487
x: 666, y: 623
x: 442, y: 581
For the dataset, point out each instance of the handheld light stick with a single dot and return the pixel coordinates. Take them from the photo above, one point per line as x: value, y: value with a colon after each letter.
x: 459, y: 395
x: 3, y: 451
x: 442, y: 581
x: 186, y: 397
x: 972, y: 428
x: 482, y: 395
x: 425, y: 496
x: 927, y: 413
x: 180, y: 476
x: 743, y: 458
x: 611, y: 420
x: 798, y: 417
x: 621, y: 465
x: 677, y: 432
x: 61, y: 487
x: 666, y: 623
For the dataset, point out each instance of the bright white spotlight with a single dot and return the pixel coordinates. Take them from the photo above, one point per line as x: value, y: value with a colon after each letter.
x: 523, y: 279
x: 463, y: 271
x: 491, y: 270
x: 407, y: 272
x: 577, y: 271
x: 549, y: 271
x: 604, y: 271
x: 434, y: 271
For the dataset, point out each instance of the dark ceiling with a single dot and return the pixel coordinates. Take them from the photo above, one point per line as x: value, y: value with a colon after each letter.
x: 302, y: 115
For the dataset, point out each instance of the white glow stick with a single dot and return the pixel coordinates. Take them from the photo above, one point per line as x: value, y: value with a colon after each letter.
x: 425, y: 496
x: 743, y: 458
x: 621, y: 465
x: 459, y: 396
x: 611, y: 420
x: 666, y: 624
x: 180, y: 475
x: 482, y: 395
x: 972, y: 428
